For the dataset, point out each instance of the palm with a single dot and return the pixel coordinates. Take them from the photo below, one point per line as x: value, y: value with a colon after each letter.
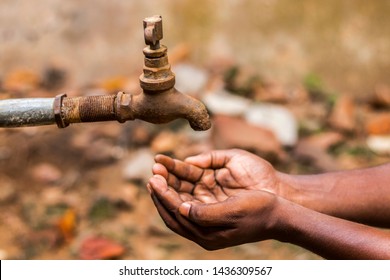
x: 216, y: 179
x: 248, y: 171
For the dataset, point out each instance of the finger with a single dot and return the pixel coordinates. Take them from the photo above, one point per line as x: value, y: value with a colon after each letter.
x: 210, y: 215
x: 170, y: 220
x: 172, y: 180
x: 178, y: 223
x: 180, y: 185
x: 166, y: 195
x: 214, y: 159
x: 181, y: 169
x: 159, y: 169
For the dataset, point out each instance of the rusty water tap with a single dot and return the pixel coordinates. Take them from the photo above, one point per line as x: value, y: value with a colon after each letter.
x: 159, y: 102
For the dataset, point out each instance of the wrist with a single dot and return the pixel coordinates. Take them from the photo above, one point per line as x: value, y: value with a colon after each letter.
x: 290, y: 188
x: 280, y: 226
x: 315, y: 192
x: 293, y: 223
x: 309, y: 191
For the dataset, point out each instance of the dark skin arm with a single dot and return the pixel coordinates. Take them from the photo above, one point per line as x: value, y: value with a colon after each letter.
x: 226, y: 198
x: 359, y: 195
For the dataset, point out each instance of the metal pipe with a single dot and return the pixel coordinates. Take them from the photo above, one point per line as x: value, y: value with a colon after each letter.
x: 26, y: 112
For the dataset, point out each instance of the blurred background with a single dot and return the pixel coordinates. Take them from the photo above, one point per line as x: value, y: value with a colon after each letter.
x: 303, y: 84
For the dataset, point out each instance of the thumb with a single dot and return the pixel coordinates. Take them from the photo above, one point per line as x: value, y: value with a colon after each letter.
x: 213, y: 214
x: 184, y: 209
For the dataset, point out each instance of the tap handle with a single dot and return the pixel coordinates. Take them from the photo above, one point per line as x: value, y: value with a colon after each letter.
x: 153, y: 32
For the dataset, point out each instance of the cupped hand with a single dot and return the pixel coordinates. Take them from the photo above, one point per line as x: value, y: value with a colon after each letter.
x: 216, y: 199
x: 231, y: 169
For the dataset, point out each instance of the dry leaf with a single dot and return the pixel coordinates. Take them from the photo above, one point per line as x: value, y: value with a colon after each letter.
x: 379, y: 125
x: 114, y: 83
x: 21, y: 80
x: 99, y: 248
x: 67, y: 224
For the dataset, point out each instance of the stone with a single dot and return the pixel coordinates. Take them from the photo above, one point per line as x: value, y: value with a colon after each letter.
x: 242, y: 80
x: 271, y: 92
x: 314, y: 149
x: 343, y: 115
x: 310, y: 116
x: 183, y: 143
x: 51, y: 196
x: 124, y: 196
x: 379, y: 144
x: 102, y: 151
x: 46, y: 173
x: 140, y: 133
x: 324, y: 140
x: 223, y: 102
x: 193, y: 149
x: 139, y: 165
x: 232, y: 132
x: 127, y: 196
x: 277, y: 119
x: 277, y: 93
x: 189, y: 79
x: 166, y: 141
x: 106, y: 130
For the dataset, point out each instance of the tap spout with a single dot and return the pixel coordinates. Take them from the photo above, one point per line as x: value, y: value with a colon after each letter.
x: 163, y: 107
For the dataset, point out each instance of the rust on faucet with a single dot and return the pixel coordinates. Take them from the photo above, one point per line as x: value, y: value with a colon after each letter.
x: 159, y: 102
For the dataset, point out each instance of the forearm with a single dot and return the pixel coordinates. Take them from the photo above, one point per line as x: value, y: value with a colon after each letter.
x: 329, y: 237
x: 358, y: 195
